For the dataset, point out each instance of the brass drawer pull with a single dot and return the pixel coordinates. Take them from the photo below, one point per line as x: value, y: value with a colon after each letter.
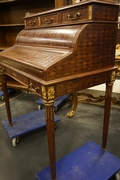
x: 32, y: 23
x: 30, y: 87
x: 73, y: 18
x: 49, y: 21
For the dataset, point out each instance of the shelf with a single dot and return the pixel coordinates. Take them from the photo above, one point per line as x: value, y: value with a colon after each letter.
x: 11, y: 25
x: 85, y: 163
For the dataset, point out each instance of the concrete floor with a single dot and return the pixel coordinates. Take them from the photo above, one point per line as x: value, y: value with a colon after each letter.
x: 31, y: 154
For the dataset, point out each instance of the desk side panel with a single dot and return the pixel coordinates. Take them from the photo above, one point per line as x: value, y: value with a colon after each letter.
x: 95, y: 49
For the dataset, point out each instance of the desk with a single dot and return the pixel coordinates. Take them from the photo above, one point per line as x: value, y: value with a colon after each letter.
x: 63, y: 51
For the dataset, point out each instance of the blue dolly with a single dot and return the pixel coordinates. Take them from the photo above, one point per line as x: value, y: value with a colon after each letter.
x: 85, y: 163
x: 2, y: 93
x: 26, y: 123
x: 58, y: 103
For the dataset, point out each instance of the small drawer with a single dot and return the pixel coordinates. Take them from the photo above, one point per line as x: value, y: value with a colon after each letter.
x: 49, y: 20
x: 17, y: 76
x: 32, y: 22
x: 76, y: 14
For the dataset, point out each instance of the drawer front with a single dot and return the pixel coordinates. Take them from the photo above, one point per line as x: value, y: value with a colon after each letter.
x: 49, y: 19
x: 32, y: 22
x: 21, y: 78
x: 76, y: 14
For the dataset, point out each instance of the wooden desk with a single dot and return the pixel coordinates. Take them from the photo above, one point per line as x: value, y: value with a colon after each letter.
x: 63, y: 51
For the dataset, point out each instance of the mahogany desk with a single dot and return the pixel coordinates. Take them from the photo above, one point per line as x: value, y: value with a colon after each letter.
x: 62, y: 51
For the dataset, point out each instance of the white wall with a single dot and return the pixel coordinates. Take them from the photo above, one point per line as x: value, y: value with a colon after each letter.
x: 116, y: 87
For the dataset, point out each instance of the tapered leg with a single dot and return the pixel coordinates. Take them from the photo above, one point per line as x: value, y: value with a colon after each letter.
x: 108, y: 97
x: 6, y: 97
x: 51, y: 137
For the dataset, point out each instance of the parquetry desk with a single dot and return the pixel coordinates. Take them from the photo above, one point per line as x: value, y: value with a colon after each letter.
x: 62, y: 51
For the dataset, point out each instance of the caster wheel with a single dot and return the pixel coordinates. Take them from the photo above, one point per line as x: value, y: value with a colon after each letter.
x: 2, y: 98
x: 40, y: 107
x: 117, y: 176
x: 15, y: 141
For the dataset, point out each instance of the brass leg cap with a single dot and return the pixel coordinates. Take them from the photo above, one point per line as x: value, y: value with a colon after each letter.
x: 103, y: 150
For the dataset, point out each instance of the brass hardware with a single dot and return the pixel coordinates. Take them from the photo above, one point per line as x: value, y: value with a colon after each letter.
x: 44, y: 93
x: 48, y: 92
x: 1, y: 70
x: 37, y: 88
x: 90, y: 12
x: 48, y: 103
x: 30, y: 87
x: 74, y: 101
x: 39, y: 21
x: 25, y: 23
x: 113, y: 76
x: 75, y: 16
x: 49, y: 21
x: 32, y: 23
x: 51, y: 92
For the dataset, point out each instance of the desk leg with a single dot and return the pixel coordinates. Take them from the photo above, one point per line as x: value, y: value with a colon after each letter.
x: 51, y: 137
x: 108, y: 97
x: 6, y: 97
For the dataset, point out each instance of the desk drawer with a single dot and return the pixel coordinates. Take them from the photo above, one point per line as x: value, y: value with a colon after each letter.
x: 49, y: 19
x: 76, y: 14
x: 15, y: 75
x: 32, y: 22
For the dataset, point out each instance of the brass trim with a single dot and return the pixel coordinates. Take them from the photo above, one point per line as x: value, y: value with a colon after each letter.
x: 2, y: 71
x: 25, y: 23
x: 113, y: 76
x: 44, y: 93
x: 48, y: 103
x: 51, y: 92
x: 90, y: 12
x: 39, y: 20
x: 48, y: 93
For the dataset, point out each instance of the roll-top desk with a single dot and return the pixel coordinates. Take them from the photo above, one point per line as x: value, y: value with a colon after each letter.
x: 62, y: 51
